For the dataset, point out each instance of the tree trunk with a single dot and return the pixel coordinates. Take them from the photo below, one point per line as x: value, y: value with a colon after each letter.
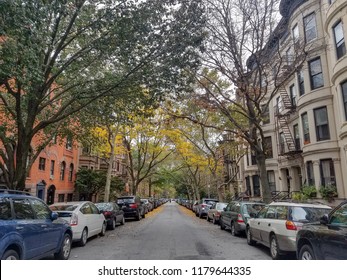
x: 265, y: 188
x: 110, y: 167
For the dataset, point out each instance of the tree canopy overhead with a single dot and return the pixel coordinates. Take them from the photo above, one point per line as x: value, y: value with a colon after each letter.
x: 58, y: 56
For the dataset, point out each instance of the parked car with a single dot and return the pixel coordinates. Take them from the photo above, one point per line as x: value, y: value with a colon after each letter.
x: 236, y: 214
x: 84, y: 217
x: 148, y: 206
x: 277, y: 224
x: 214, y: 212
x: 132, y: 207
x: 203, y: 206
x: 324, y: 240
x: 30, y: 230
x: 113, y: 214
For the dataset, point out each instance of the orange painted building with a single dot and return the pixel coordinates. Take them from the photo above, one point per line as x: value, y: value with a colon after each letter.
x: 53, y: 174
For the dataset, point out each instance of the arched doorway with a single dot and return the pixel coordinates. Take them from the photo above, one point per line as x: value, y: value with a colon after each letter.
x: 50, y: 194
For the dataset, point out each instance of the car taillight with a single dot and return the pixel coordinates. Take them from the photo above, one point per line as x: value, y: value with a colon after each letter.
x: 107, y: 213
x: 133, y: 206
x: 290, y: 225
x: 74, y: 220
x: 240, y: 219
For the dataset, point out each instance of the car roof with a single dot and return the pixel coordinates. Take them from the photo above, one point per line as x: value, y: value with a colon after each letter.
x: 298, y: 204
x: 69, y: 203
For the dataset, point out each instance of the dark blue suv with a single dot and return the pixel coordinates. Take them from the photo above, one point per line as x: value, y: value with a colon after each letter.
x: 30, y: 230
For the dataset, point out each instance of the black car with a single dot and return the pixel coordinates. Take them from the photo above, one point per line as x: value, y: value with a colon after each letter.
x: 132, y: 207
x: 327, y: 240
x: 112, y: 212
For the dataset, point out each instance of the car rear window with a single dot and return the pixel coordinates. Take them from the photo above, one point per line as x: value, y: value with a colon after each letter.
x: 252, y: 208
x: 104, y: 206
x: 125, y: 200
x: 221, y: 206
x: 210, y: 202
x: 67, y: 207
x: 306, y: 214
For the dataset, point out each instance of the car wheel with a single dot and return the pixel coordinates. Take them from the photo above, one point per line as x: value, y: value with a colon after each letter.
x: 250, y: 240
x: 113, y: 224
x: 306, y: 253
x: 138, y: 217
x: 10, y: 255
x: 144, y: 214
x: 65, y: 248
x: 200, y: 215
x: 274, y: 248
x: 222, y: 226
x: 232, y: 229
x: 84, y: 238
x: 214, y: 221
x: 103, y: 230
x: 123, y: 221
x: 207, y: 218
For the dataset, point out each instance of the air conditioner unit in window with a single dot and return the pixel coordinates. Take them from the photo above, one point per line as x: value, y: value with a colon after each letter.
x: 51, y: 177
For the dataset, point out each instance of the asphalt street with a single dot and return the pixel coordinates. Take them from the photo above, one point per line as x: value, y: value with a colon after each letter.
x: 170, y: 232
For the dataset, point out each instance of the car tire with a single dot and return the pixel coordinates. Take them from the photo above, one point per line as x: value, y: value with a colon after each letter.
x: 113, y: 224
x: 84, y: 238
x: 122, y: 221
x: 138, y: 216
x: 208, y: 218
x: 306, y: 253
x: 214, y: 221
x: 65, y: 248
x: 200, y: 215
x: 250, y: 240
x: 222, y: 226
x: 10, y: 255
x: 274, y: 248
x: 103, y: 229
x: 144, y: 215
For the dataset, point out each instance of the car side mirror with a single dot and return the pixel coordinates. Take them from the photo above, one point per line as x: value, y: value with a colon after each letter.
x: 224, y: 209
x: 101, y: 211
x: 324, y: 220
x: 54, y: 216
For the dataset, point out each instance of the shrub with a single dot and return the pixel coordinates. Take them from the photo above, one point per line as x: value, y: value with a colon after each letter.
x: 328, y: 191
x: 309, y: 191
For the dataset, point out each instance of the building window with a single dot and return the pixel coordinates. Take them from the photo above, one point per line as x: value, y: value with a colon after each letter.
x: 71, y: 172
x: 327, y: 172
x: 339, y: 40
x: 272, y: 180
x: 322, y: 125
x: 295, y: 33
x: 42, y: 163
x: 282, y: 144
x: 62, y: 170
x: 265, y: 114
x: 344, y: 97
x: 310, y: 27
x: 292, y: 93
x: 301, y: 82
x: 305, y: 128
x: 290, y: 56
x: 68, y: 145
x: 268, y: 147
x: 316, y: 73
x: 253, y: 158
x: 52, y: 168
x: 61, y: 197
x: 69, y: 197
x: 310, y: 174
x: 297, y: 137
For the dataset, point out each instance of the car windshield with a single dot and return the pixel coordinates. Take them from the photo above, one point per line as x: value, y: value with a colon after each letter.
x: 125, y: 200
x: 221, y: 206
x: 252, y: 208
x: 66, y: 207
x: 104, y: 206
x: 307, y: 214
x: 210, y: 202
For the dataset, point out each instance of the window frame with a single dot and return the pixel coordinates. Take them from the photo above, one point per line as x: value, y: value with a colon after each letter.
x: 322, y: 137
x: 344, y: 96
x: 42, y: 163
x: 312, y: 76
x: 305, y: 22
x: 305, y: 124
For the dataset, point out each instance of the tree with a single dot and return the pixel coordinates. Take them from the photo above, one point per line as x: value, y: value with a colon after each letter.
x: 59, y: 56
x: 244, y: 49
x: 147, y: 147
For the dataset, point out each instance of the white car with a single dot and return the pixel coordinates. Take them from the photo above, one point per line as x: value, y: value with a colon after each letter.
x: 84, y: 217
x: 277, y: 224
